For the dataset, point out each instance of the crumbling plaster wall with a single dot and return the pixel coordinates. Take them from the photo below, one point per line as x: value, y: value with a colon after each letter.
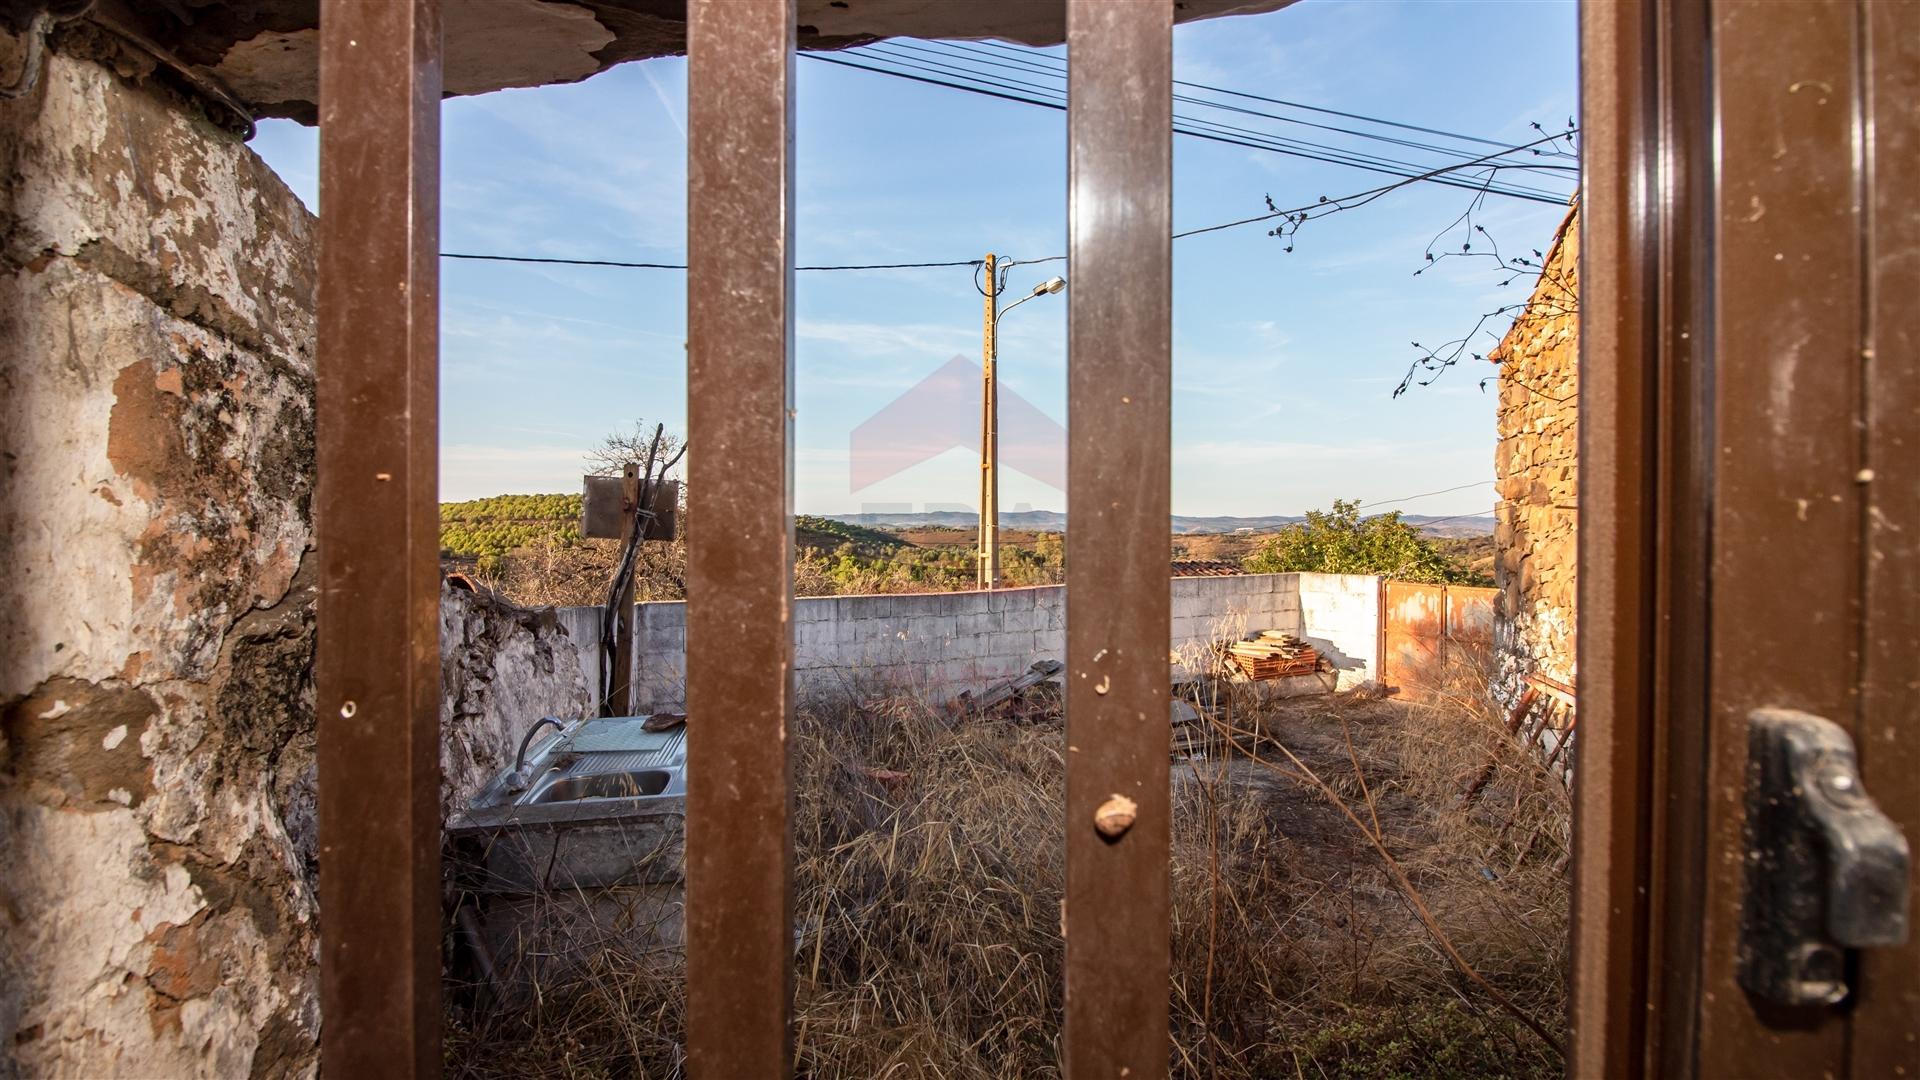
x: 157, y: 794
x: 501, y: 669
x: 156, y: 437
x: 1536, y: 475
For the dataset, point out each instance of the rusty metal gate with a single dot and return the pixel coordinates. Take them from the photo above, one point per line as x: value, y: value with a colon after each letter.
x: 377, y: 673
x: 1430, y: 633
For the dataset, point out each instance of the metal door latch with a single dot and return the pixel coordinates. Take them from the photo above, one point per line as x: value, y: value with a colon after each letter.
x: 1826, y: 870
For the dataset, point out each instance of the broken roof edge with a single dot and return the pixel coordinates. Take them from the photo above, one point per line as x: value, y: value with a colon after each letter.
x: 266, y: 52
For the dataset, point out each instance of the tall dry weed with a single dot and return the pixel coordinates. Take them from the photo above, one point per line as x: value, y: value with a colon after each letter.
x: 929, y: 875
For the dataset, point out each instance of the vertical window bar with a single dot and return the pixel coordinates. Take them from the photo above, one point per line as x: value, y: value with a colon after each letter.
x: 376, y: 517
x: 1120, y: 176
x: 740, y: 567
x: 1621, y: 553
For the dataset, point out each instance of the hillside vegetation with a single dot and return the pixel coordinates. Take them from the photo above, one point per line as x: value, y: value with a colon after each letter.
x: 492, y: 528
x: 529, y: 548
x: 829, y: 534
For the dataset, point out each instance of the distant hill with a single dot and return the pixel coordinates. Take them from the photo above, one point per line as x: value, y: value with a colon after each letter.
x: 828, y: 534
x: 1054, y: 521
x: 506, y: 522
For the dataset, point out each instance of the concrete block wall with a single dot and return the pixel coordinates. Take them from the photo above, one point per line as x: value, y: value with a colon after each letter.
x: 1340, y: 616
x: 1207, y: 608
x: 942, y: 643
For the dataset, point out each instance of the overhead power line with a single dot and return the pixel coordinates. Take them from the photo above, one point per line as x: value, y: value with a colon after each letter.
x: 683, y: 266
x: 957, y: 50
x: 1424, y: 494
x: 1316, y: 209
x: 1026, y: 60
x: 1318, y: 151
x: 1028, y: 55
x: 1492, y: 513
x: 1020, y: 91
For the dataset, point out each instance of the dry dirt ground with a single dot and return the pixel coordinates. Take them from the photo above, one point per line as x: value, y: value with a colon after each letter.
x: 1335, y: 914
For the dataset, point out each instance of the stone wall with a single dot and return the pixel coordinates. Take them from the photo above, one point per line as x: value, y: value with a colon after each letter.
x: 501, y: 668
x: 156, y: 731
x: 1535, y: 468
x: 943, y: 643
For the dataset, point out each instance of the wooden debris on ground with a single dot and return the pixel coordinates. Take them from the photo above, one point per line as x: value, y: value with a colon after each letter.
x: 1193, y: 736
x: 1273, y: 654
x: 1027, y: 689
x: 1543, y: 722
x: 891, y: 779
x: 1372, y: 690
x: 663, y: 721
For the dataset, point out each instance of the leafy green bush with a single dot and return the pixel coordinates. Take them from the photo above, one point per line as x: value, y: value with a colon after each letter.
x: 1340, y: 541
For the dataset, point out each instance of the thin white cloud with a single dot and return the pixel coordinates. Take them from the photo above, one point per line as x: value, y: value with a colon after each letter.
x: 666, y: 104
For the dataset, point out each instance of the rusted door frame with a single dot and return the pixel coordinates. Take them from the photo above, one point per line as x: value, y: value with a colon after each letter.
x: 1743, y: 242
x: 377, y: 529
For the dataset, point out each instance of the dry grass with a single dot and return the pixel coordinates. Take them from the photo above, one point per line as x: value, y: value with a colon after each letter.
x: 929, y: 877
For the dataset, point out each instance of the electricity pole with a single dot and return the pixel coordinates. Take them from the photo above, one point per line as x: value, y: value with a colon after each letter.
x: 987, y: 557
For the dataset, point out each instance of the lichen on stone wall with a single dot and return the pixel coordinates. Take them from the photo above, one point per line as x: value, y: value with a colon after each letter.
x: 157, y: 917
x: 1536, y: 474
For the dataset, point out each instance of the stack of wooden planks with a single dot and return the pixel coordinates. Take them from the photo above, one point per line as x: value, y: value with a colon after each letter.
x: 1273, y: 654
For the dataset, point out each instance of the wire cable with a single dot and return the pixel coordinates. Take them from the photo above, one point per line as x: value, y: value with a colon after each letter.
x: 1313, y: 150
x: 1424, y: 494
x: 1027, y: 54
x: 1251, y: 140
x: 1319, y: 208
x: 1060, y: 73
x: 683, y: 266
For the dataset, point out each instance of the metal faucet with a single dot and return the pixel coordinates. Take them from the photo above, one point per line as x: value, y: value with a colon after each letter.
x: 519, y: 779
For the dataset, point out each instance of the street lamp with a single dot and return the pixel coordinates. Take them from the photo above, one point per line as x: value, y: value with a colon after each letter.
x: 987, y: 574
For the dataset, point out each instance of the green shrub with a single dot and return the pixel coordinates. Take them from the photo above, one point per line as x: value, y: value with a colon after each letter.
x: 1340, y: 541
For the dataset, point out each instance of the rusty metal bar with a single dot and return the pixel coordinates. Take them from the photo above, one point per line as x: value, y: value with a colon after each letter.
x: 1119, y: 324
x: 376, y: 517
x: 1886, y: 1017
x: 740, y: 565
x: 1553, y: 688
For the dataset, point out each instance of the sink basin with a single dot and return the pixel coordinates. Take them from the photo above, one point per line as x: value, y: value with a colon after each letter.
x: 604, y: 768
x: 633, y: 784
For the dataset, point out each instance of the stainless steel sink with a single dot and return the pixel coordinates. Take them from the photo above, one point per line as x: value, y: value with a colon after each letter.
x: 577, y: 846
x: 558, y: 787
x: 589, y: 769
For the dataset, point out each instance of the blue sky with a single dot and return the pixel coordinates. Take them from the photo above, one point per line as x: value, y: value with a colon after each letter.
x: 1283, y: 362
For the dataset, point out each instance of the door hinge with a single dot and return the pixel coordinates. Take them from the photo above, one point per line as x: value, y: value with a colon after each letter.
x: 1826, y: 870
